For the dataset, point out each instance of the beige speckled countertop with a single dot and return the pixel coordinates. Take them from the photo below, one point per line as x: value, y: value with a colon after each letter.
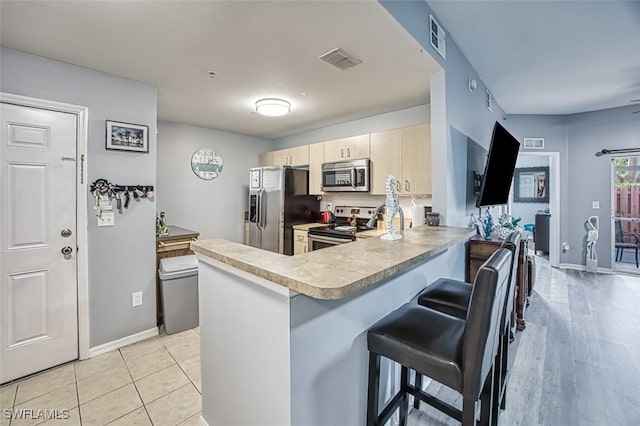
x: 306, y: 226
x: 336, y: 272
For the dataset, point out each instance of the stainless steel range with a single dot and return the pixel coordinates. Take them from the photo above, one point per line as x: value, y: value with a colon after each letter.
x: 348, y: 221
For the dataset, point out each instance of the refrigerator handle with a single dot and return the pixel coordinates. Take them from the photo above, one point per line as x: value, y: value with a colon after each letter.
x: 263, y: 214
x: 259, y: 210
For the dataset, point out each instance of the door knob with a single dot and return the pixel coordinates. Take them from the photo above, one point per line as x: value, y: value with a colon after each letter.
x: 66, y: 232
x: 66, y: 250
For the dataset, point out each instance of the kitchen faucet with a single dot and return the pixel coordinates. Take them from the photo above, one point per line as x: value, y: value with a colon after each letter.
x: 374, y: 217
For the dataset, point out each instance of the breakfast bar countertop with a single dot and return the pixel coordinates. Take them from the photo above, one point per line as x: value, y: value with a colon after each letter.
x: 337, y: 272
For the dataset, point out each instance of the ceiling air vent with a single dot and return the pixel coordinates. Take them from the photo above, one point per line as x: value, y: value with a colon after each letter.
x: 437, y: 37
x: 534, y: 143
x: 340, y: 59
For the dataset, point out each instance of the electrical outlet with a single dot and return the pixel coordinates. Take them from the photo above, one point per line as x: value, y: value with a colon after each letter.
x: 136, y: 299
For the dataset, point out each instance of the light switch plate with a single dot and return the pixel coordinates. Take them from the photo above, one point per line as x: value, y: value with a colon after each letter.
x: 106, y: 219
x: 595, y: 204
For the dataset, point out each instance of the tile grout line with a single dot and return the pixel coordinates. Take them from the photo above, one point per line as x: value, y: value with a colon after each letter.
x: 75, y: 377
x: 135, y: 386
x: 189, y: 378
x: 190, y: 381
x: 182, y: 369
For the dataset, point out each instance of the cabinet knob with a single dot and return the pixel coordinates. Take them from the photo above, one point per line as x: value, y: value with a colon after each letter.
x: 348, y: 153
x: 406, y: 185
x: 341, y: 152
x: 398, y: 187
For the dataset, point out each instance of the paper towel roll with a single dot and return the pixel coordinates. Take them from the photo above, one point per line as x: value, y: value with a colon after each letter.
x: 417, y: 214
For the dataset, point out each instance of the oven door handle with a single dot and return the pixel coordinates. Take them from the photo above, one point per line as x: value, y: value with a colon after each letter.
x: 334, y: 240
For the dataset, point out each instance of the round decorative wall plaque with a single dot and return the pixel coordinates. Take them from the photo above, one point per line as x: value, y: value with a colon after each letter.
x: 206, y: 163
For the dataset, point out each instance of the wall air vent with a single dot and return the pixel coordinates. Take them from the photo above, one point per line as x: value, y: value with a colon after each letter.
x: 340, y: 59
x: 437, y: 37
x: 534, y: 143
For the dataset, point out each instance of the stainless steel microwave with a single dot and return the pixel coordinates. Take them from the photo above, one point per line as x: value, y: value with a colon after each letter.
x: 346, y: 176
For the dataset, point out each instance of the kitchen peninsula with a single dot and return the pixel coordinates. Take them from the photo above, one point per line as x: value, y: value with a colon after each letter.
x: 283, y: 338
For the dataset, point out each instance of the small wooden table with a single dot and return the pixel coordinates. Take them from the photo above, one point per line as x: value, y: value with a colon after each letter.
x: 479, y: 250
x: 176, y: 243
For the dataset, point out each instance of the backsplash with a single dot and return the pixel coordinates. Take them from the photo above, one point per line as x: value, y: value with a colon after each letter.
x: 366, y: 200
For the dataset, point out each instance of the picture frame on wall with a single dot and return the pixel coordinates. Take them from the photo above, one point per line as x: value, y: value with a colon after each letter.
x: 127, y: 137
x: 530, y: 185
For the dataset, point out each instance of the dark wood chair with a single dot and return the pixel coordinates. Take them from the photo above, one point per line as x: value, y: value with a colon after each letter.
x: 622, y: 245
x: 457, y: 353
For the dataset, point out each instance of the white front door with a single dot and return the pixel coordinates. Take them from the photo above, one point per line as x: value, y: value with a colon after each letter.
x: 38, y: 287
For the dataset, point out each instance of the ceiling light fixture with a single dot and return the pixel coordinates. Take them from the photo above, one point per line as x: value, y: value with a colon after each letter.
x: 273, y: 107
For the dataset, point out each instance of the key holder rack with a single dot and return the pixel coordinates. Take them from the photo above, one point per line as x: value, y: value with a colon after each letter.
x: 102, y: 187
x: 104, y: 191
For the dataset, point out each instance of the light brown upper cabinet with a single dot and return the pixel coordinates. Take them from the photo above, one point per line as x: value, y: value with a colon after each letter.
x: 266, y: 159
x: 406, y: 153
x: 316, y: 158
x: 386, y: 158
x: 299, y: 155
x: 416, y: 160
x: 296, y: 156
x: 346, y: 149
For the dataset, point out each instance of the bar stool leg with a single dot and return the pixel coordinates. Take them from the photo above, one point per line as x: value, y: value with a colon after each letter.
x: 505, y: 370
x: 495, y: 395
x: 374, y: 383
x: 468, y: 412
x: 486, y: 397
x: 416, y: 400
x: 404, y: 403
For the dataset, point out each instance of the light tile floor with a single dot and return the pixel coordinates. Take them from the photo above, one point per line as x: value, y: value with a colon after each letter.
x: 153, y: 382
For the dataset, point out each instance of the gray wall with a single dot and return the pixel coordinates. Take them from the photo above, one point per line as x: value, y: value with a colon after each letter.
x: 215, y: 208
x: 527, y: 211
x: 590, y: 176
x: 466, y: 114
x: 583, y: 176
x: 121, y: 258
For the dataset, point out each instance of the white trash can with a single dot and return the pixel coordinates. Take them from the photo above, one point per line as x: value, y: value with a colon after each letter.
x: 179, y: 281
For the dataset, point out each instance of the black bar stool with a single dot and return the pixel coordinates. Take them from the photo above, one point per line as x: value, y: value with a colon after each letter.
x: 457, y: 353
x: 452, y: 297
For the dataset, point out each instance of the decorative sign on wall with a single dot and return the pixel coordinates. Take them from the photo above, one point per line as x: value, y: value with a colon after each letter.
x: 206, y: 163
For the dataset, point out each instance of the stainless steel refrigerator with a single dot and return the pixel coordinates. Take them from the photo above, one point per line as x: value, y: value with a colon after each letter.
x: 278, y: 199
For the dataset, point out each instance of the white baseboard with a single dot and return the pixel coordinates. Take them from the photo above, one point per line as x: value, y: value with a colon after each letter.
x: 203, y: 422
x: 117, y: 344
x: 584, y: 268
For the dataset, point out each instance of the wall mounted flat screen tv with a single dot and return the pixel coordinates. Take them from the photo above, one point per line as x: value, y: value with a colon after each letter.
x: 498, y: 171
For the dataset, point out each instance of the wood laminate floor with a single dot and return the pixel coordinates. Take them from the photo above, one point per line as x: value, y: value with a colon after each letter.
x: 578, y: 360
